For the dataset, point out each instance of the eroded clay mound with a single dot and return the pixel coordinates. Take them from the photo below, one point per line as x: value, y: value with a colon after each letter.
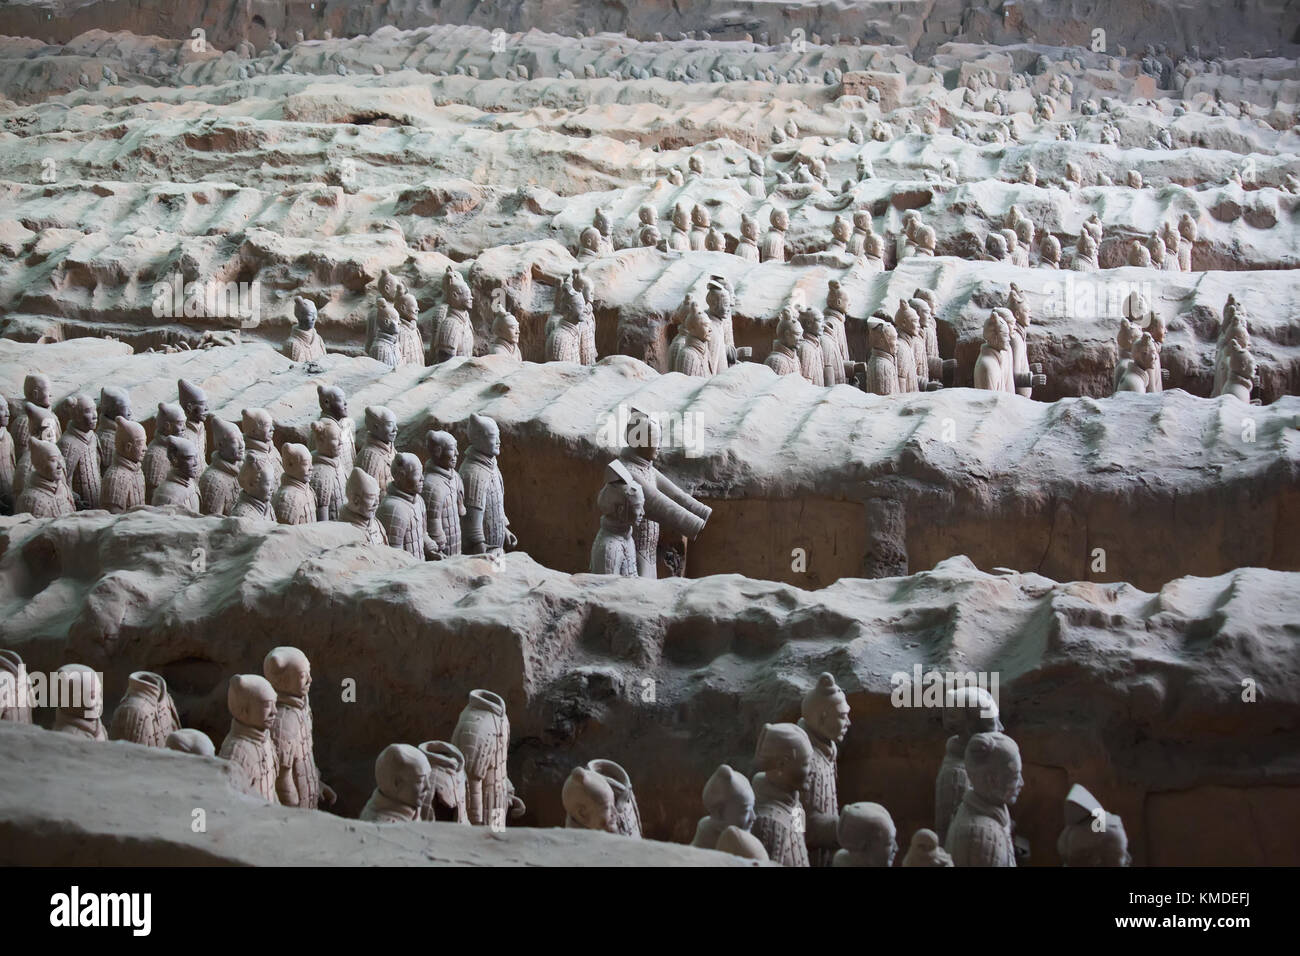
x: 1141, y: 694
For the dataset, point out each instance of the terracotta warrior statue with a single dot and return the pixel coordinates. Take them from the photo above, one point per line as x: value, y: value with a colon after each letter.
x: 453, y: 330
x: 114, y: 403
x: 1187, y: 234
x: 627, y: 816
x: 334, y: 406
x: 82, y: 697
x: 362, y: 501
x: 622, y: 507
x: 8, y: 461
x: 691, y: 351
x: 194, y: 401
x: 863, y: 227
x: 81, y: 452
x: 773, y: 247
x: 1135, y: 374
x: 219, y: 484
x: 410, y: 345
x: 375, y: 457
x: 36, y: 391
x: 980, y: 832
x: 866, y: 833
x: 45, y: 493
x: 15, y: 686
x: 783, y: 760
x: 402, y: 511
x: 700, y: 223
x: 402, y: 777
x: 326, y: 479
x: 385, y: 346
x: 966, y: 711
x: 588, y: 801
x: 248, y: 745
x: 294, y: 502
x: 168, y: 423
x: 485, y: 526
x: 259, y: 438
x: 505, y: 335
x: 665, y: 503
x: 784, y: 357
x: 718, y: 299
x: 179, y: 487
x: 995, y: 352
x: 729, y: 800
x: 1241, y: 372
x: 482, y: 734
x: 304, y: 343
x: 680, y: 237
x: 447, y: 801
x: 123, y: 487
x: 564, y: 337
x: 256, y: 484
x: 42, y: 424
x: 812, y: 360
x: 825, y: 720
x: 147, y: 714
x: 836, y: 315
x: 747, y: 246
x: 741, y: 843
x: 1092, y: 837
x: 298, y: 782
x: 926, y: 851
x: 911, y: 357
x: 881, y: 376
x: 443, y: 493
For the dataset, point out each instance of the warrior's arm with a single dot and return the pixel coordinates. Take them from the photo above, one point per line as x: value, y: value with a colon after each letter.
x: 689, y: 502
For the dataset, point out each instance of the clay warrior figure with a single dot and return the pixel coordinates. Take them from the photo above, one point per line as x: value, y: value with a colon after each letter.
x: 485, y: 526
x: 729, y: 799
x: 114, y: 403
x: 259, y: 438
x: 925, y: 851
x: 123, y: 487
x: 443, y: 493
x: 600, y: 221
x: 298, y: 782
x: 700, y: 222
x: 376, y: 456
x: 1241, y: 372
x: 966, y: 711
x: 42, y: 424
x: 294, y: 502
x: 402, y: 777
x: 564, y: 337
x: 784, y: 357
x: 1085, y: 254
x: 334, y: 406
x: 447, y: 783
x: 482, y: 734
x: 1187, y: 232
x: 362, y: 501
x: 718, y: 298
x: 15, y: 686
x: 825, y: 720
x: 304, y: 343
x: 248, y: 745
x: 402, y: 512
x: 219, y: 485
x: 774, y: 242
x: 8, y: 460
x: 866, y: 833
x: 587, y: 340
x: 45, y: 494
x: 995, y: 353
x: 505, y: 335
x: 81, y: 453
x: 194, y: 401
x: 783, y: 759
x: 453, y: 331
x: 36, y: 391
x: 622, y: 507
x: 179, y: 487
x: 648, y: 230
x: 1092, y: 837
x: 665, y: 503
x: 327, y: 477
x: 980, y: 832
x: 912, y: 375
x: 1135, y: 374
x: 168, y: 423
x: 881, y: 376
x: 410, y: 345
x: 384, y: 346
x: 680, y: 237
x: 863, y: 229
x: 256, y: 484
x: 835, y: 316
x: 147, y: 714
x: 83, y: 705
x: 627, y: 816
x: 812, y: 360
x: 1021, y: 369
x: 747, y: 246
x: 691, y: 351
x: 588, y: 801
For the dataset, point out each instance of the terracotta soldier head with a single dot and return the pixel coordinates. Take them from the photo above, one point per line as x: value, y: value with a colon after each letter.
x: 729, y: 798
x: 327, y: 437
x: 363, y: 494
x: 297, y: 460
x: 789, y: 331
x: 505, y: 327
x: 455, y: 293
x: 82, y: 414
x: 183, y: 458
x: 442, y: 449
x: 993, y: 766
x: 36, y: 389
x: 304, y: 312
x: 866, y: 833
x: 643, y: 434
x: 841, y: 230
x: 381, y: 423
x: 784, y: 754
x: 194, y: 400
x: 1092, y: 837
x: 813, y: 323
x: 402, y: 774
x: 129, y: 441
x: 47, y: 460
x: 780, y: 220
x: 589, y: 240
x: 826, y: 709
x: 997, y: 335
x: 256, y: 423
x: 170, y: 420
x: 257, y: 477
x: 288, y: 671
x: 333, y: 402
x: 700, y: 218
x: 749, y: 227
x: 228, y: 439
x: 114, y: 403
x: 251, y: 700
x: 484, y: 435
x: 648, y: 215
x: 588, y: 800
x: 408, y: 473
